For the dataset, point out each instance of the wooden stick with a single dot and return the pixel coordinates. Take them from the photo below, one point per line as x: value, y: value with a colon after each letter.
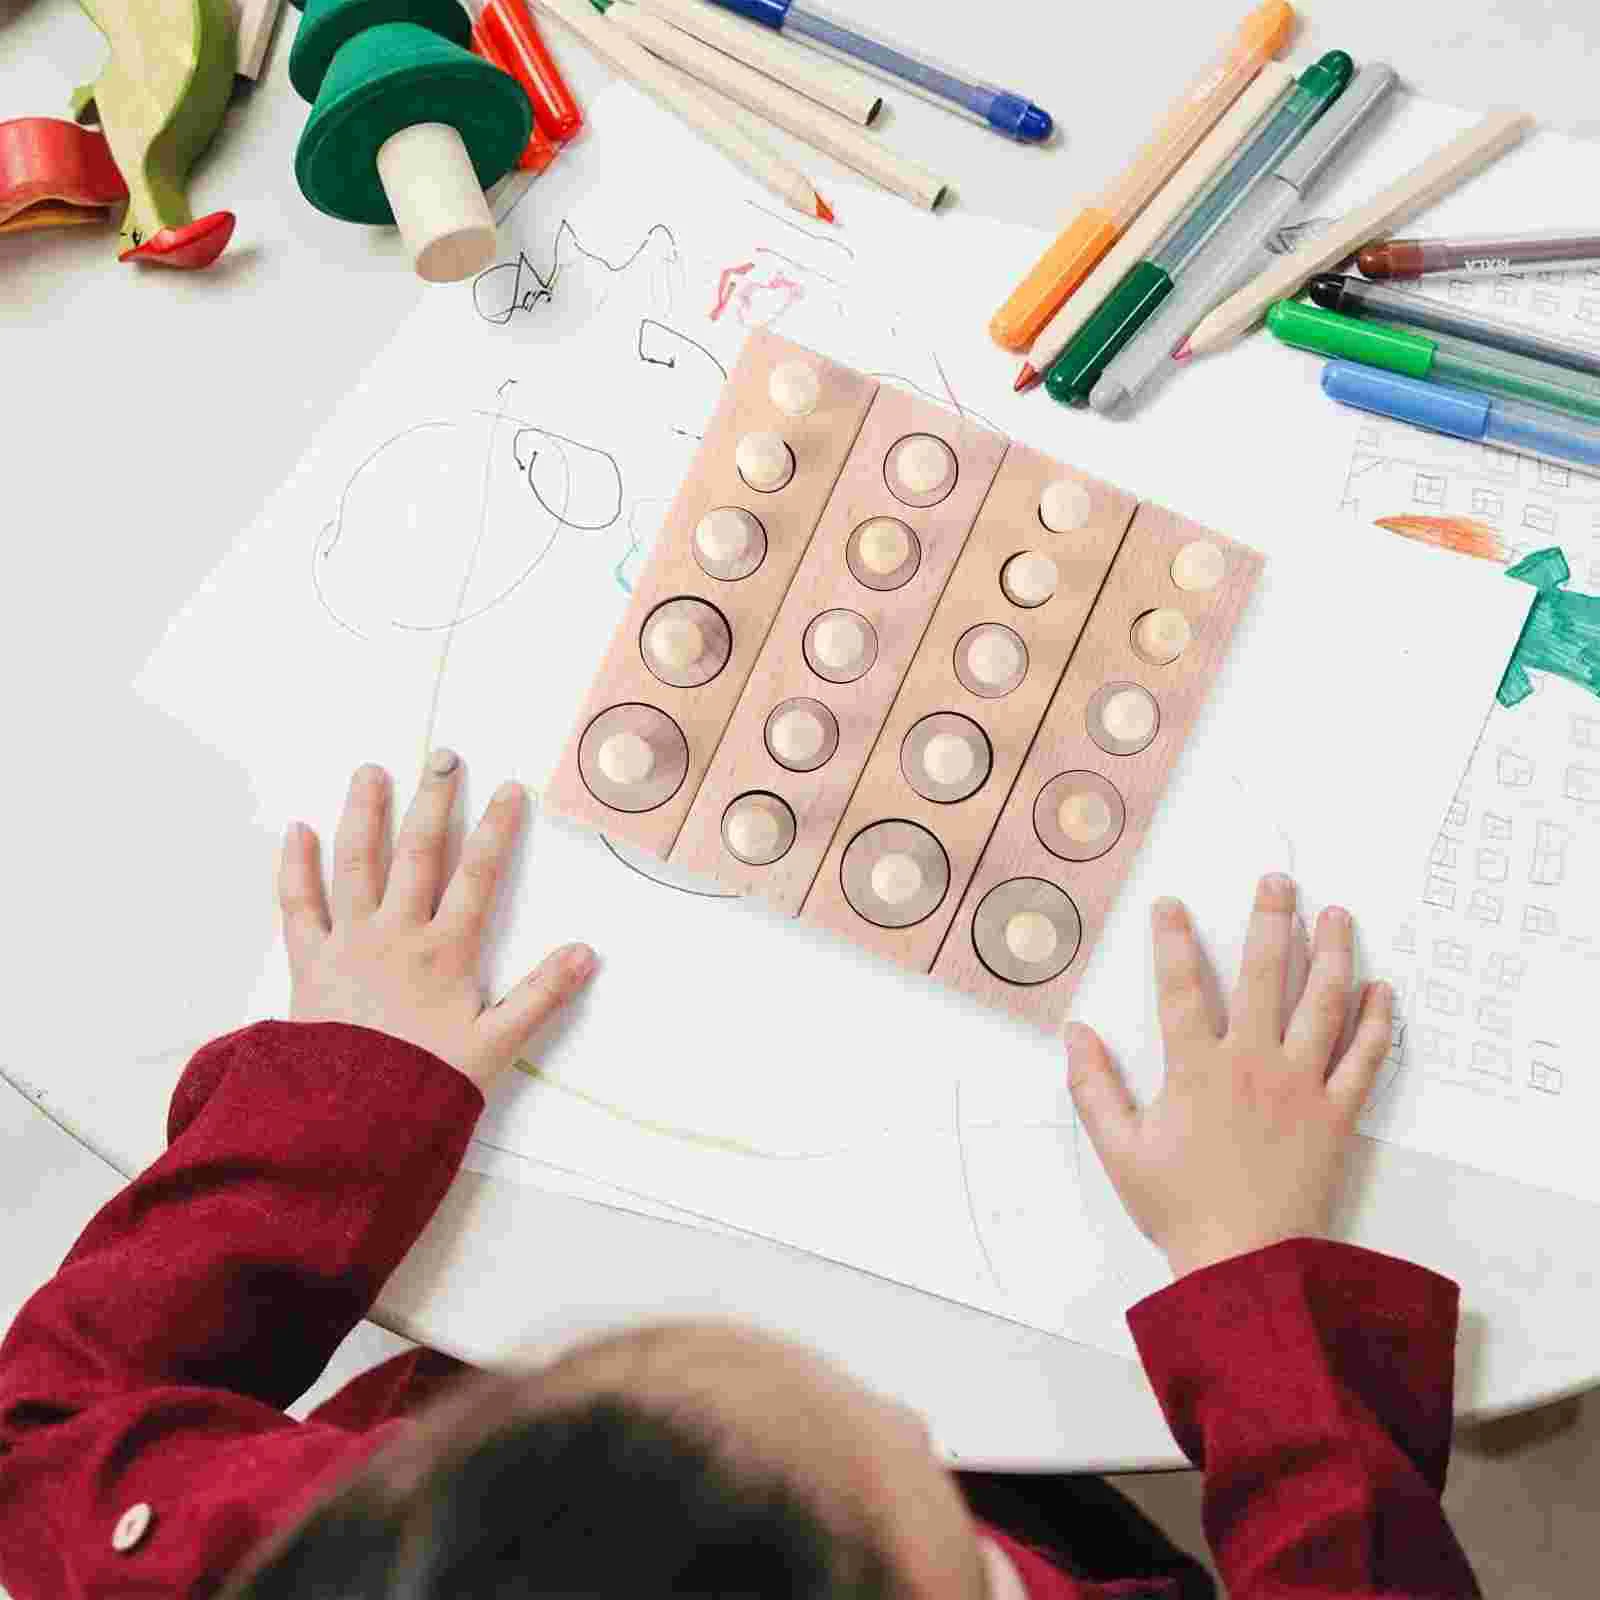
x: 254, y: 20
x: 791, y: 111
x: 1466, y: 154
x: 828, y: 82
x: 700, y: 111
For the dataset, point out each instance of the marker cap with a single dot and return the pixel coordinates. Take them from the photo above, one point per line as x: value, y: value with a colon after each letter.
x: 770, y: 13
x: 1266, y: 30
x: 1378, y: 344
x: 1059, y: 271
x: 1429, y: 405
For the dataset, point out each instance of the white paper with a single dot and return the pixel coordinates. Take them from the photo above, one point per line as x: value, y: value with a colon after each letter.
x: 730, y: 1065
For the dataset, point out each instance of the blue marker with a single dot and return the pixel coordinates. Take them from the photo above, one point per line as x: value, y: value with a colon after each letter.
x: 1010, y: 113
x: 1463, y: 414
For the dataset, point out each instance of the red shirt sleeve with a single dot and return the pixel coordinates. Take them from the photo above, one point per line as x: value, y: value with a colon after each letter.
x: 1312, y: 1382
x: 305, y: 1158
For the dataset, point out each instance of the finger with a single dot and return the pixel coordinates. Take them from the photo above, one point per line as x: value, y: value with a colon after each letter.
x: 1317, y: 1024
x: 1357, y: 1071
x: 534, y: 1001
x: 359, y: 846
x: 301, y: 900
x: 1257, y: 1011
x: 1105, y: 1107
x: 468, y: 901
x: 1182, y: 996
x: 416, y: 876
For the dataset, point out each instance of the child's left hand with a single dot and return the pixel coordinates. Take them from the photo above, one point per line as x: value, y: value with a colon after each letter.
x: 400, y: 949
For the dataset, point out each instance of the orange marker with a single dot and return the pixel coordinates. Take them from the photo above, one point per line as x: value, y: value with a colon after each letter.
x: 1098, y: 226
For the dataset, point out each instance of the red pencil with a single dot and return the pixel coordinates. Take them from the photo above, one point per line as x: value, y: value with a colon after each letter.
x: 514, y: 43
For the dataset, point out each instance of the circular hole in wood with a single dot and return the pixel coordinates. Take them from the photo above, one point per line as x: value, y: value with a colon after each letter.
x: 1198, y: 566
x: 1161, y: 636
x: 685, y: 642
x: 920, y: 470
x: 1079, y: 816
x: 883, y: 553
x: 991, y: 660
x: 765, y: 461
x: 801, y: 734
x: 946, y: 757
x: 758, y: 828
x: 840, y: 645
x: 894, y: 873
x: 1123, y: 718
x: 729, y: 543
x: 1026, y: 931
x: 633, y: 757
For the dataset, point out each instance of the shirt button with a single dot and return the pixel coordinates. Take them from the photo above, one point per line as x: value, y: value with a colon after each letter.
x: 131, y: 1527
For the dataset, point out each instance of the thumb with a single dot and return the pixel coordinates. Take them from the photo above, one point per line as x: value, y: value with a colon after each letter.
x: 1102, y: 1099
x: 525, y: 1009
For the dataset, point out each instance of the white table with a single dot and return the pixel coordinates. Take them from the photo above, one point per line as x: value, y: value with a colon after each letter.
x: 147, y: 415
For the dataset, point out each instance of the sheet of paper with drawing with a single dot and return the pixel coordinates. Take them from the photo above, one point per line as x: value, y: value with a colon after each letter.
x: 454, y: 552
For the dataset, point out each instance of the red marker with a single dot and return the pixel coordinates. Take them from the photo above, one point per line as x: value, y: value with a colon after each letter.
x: 505, y: 33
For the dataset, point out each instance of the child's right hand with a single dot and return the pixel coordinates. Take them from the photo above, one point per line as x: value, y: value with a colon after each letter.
x: 1245, y: 1145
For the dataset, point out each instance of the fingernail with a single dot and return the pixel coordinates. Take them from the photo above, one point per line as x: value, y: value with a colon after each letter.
x: 580, y: 960
x: 291, y: 834
x: 1336, y: 917
x: 1278, y: 883
x: 443, y: 762
x: 1168, y: 913
x: 509, y: 790
x: 1382, y: 993
x: 371, y: 774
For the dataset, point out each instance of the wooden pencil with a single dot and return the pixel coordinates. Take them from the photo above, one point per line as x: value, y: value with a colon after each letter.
x: 699, y: 110
x: 1466, y: 154
x: 793, y: 112
x: 830, y: 83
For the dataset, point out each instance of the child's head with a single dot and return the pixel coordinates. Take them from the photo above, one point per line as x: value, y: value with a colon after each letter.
x: 693, y: 1459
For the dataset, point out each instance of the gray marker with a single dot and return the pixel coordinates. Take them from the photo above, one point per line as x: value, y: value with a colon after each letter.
x: 1239, y: 249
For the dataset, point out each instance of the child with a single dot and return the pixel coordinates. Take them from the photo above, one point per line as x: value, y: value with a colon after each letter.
x: 144, y: 1449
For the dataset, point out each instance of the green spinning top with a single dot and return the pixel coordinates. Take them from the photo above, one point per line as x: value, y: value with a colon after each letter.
x: 407, y: 126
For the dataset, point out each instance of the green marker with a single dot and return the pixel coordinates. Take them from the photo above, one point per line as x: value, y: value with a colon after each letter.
x: 1437, y: 357
x: 1146, y: 284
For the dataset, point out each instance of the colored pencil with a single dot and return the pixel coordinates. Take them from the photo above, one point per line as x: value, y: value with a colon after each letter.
x: 1466, y: 154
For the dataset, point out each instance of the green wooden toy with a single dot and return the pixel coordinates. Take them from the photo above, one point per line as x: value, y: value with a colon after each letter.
x: 159, y: 101
x: 407, y: 126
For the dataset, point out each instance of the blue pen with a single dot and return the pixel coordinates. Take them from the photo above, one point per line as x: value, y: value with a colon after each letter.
x: 1464, y: 414
x: 1010, y: 113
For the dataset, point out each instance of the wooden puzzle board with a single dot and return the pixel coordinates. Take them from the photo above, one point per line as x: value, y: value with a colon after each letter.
x: 903, y: 679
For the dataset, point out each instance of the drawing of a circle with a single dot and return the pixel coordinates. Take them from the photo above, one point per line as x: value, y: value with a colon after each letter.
x: 991, y: 660
x: 920, y: 470
x: 802, y: 734
x: 894, y: 874
x: 685, y: 642
x: 1026, y: 931
x: 883, y: 554
x: 840, y: 646
x: 1123, y: 718
x: 633, y: 757
x: 1079, y: 816
x: 729, y: 543
x: 946, y: 757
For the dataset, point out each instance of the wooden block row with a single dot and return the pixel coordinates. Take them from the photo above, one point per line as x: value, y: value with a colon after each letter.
x: 956, y: 738
x: 839, y: 649
x: 649, y: 728
x: 1031, y: 915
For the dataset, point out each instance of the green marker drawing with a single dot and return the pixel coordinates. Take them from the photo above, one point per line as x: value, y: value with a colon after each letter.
x: 1562, y: 633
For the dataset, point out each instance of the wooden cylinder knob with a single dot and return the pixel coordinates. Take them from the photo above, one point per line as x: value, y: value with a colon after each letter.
x: 922, y: 469
x: 1031, y: 937
x: 625, y: 759
x: 994, y: 658
x: 885, y: 546
x: 948, y: 759
x: 438, y: 203
x: 1161, y: 636
x: 758, y: 829
x: 1084, y: 817
x: 1030, y: 578
x: 1198, y: 566
x: 896, y: 879
x: 795, y: 388
x: 723, y: 535
x: 764, y: 461
x: 676, y: 643
x: 1064, y: 506
x: 797, y: 737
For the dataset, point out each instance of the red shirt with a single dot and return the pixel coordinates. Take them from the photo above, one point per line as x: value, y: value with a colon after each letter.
x: 144, y: 1447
